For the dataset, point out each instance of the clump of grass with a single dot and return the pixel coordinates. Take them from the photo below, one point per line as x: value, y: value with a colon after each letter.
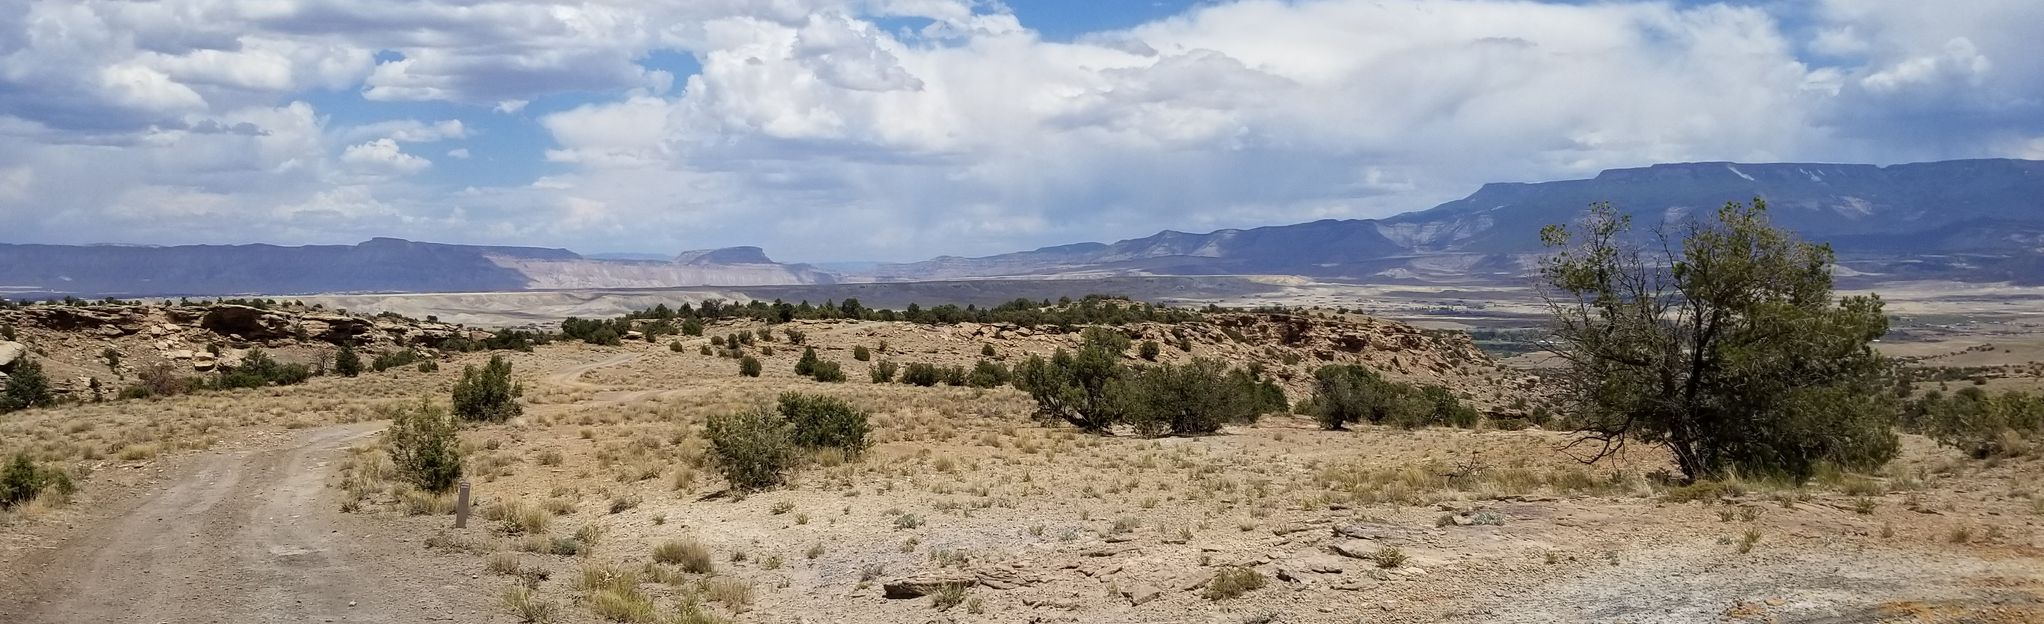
x: 782, y: 507
x: 734, y: 594
x: 517, y: 518
x: 503, y: 563
x: 1863, y: 506
x: 948, y: 596
x: 622, y: 605
x: 907, y: 521
x: 528, y: 607
x: 1233, y: 581
x: 1388, y: 557
x: 815, y: 550
x: 691, y: 555
x: 1747, y: 541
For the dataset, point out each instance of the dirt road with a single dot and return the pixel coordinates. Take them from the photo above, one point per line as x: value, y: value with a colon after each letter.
x: 249, y: 535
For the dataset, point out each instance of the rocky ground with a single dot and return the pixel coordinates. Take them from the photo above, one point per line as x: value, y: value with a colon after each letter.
x: 968, y: 510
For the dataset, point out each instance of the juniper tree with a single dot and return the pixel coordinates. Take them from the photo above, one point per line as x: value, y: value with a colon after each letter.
x: 1729, y: 350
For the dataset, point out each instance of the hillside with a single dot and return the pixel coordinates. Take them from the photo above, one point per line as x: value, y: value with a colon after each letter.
x: 1975, y: 220
x: 378, y: 265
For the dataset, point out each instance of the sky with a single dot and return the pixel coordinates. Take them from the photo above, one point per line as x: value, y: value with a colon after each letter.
x: 904, y: 129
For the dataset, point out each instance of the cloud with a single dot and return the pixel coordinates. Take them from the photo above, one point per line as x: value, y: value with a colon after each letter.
x: 937, y: 126
x: 383, y: 156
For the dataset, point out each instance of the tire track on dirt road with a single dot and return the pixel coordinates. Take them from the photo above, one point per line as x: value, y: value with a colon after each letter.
x: 251, y: 535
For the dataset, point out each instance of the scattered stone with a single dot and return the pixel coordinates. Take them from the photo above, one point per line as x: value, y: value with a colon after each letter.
x: 1193, y: 580
x: 925, y: 584
x: 1141, y: 593
x: 1355, y: 548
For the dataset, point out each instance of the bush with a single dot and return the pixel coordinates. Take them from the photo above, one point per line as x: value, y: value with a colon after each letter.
x: 795, y: 336
x: 860, y: 353
x: 748, y: 366
x: 807, y: 364
x: 429, y: 366
x: 676, y: 347
x: 1149, y: 350
x: 883, y: 372
x: 752, y: 447
x: 921, y: 374
x: 1194, y: 398
x: 422, y: 445
x: 22, y: 481
x: 257, y: 369
x: 704, y: 350
x: 347, y: 362
x: 986, y: 350
x: 26, y: 387
x: 396, y: 359
x: 1981, y: 424
x: 952, y: 375
x: 987, y: 374
x: 1073, y: 387
x: 829, y: 372
x: 1349, y: 393
x: 487, y: 394
x: 817, y: 421
x: 691, y: 327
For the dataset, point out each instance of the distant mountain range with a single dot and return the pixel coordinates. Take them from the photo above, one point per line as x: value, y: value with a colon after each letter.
x: 1968, y: 220
x: 1974, y: 220
x: 378, y: 265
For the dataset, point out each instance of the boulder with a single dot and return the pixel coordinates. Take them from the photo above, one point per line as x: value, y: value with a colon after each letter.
x: 10, y: 352
x: 925, y: 584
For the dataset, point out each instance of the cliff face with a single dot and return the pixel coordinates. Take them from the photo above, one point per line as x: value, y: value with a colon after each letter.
x: 378, y: 265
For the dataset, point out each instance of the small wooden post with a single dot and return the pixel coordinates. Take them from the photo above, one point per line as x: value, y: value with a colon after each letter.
x: 461, y: 507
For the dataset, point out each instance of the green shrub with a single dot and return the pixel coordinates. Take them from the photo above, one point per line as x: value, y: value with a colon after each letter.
x: 26, y: 387
x: 676, y: 347
x: 1982, y: 424
x: 827, y: 371
x: 952, y: 375
x: 257, y: 369
x: 987, y: 374
x: 986, y: 350
x: 795, y: 336
x: 860, y: 353
x: 1073, y: 387
x: 23, y: 480
x: 1194, y: 398
x: 819, y: 421
x: 347, y: 362
x: 396, y: 359
x: 921, y: 374
x: 429, y: 366
x: 1149, y: 350
x: 753, y: 447
x: 807, y: 364
x: 487, y: 394
x: 422, y: 445
x: 691, y: 327
x: 705, y: 350
x: 748, y: 366
x: 883, y: 372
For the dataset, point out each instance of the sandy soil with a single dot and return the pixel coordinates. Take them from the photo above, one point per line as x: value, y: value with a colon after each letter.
x: 241, y: 535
